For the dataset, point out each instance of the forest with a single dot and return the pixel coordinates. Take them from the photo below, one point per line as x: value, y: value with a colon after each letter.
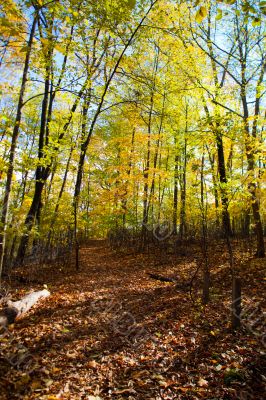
x: 132, y: 199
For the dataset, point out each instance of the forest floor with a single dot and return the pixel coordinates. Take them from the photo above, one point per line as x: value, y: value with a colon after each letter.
x: 109, y: 331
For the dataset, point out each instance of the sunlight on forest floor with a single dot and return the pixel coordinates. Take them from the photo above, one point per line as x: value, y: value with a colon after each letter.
x: 109, y: 331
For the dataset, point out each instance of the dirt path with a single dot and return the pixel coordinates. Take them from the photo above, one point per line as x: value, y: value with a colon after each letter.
x: 110, y: 331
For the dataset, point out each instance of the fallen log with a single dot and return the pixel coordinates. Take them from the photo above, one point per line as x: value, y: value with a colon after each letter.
x: 161, y: 278
x: 16, y: 309
x: 178, y: 285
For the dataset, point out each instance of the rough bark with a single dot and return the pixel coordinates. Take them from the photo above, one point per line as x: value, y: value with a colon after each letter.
x: 223, y: 183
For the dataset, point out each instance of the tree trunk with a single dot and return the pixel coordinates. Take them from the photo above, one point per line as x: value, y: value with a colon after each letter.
x: 175, y: 202
x: 17, y: 309
x: 145, y: 198
x: 59, y: 198
x: 39, y: 180
x: 223, y: 183
x: 250, y: 135
x: 84, y: 146
x: 124, y: 200
x: 15, y: 135
x: 206, y: 271
x: 245, y: 224
x: 252, y: 185
x: 182, y: 229
x: 215, y: 190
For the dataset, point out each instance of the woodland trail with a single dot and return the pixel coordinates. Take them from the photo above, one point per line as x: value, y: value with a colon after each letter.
x: 110, y: 332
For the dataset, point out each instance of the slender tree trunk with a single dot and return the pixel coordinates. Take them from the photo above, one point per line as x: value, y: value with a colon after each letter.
x: 145, y: 194
x: 15, y: 135
x: 84, y: 147
x: 42, y: 173
x: 124, y: 200
x: 152, y: 189
x: 145, y: 216
x: 162, y: 191
x: 223, y: 183
x: 222, y: 173
x: 230, y: 159
x: 252, y: 185
x: 59, y: 199
x: 215, y: 190
x: 182, y: 229
x: 206, y: 271
x: 39, y: 176
x: 155, y: 160
x: 175, y: 202
x: 219, y: 139
x: 245, y: 224
x: 250, y: 136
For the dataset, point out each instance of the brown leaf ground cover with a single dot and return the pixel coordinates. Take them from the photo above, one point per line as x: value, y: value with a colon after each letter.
x: 108, y: 331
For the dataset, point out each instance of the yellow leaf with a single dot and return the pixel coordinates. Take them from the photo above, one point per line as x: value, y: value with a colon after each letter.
x: 201, y: 14
x: 60, y: 49
x: 44, y: 41
x: 219, y: 14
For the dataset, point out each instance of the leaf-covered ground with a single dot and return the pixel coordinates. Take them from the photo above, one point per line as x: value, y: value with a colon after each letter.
x: 111, y: 332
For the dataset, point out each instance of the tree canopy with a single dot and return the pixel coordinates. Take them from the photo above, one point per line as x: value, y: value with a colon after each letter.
x: 130, y: 115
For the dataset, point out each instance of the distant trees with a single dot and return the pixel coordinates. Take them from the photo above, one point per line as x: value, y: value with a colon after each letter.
x: 240, y: 62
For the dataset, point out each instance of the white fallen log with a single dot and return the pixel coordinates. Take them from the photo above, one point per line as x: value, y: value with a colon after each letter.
x: 16, y: 309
